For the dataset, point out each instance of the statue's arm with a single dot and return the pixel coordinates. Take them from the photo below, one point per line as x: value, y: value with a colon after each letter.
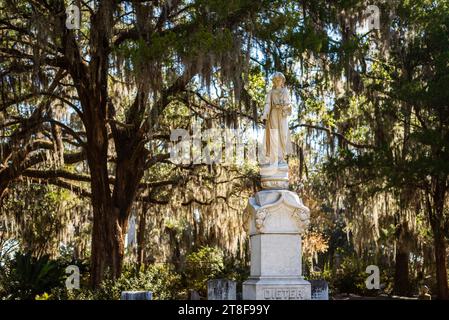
x: 266, y: 110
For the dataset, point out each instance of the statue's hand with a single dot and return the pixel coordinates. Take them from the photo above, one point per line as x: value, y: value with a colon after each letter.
x: 286, y: 110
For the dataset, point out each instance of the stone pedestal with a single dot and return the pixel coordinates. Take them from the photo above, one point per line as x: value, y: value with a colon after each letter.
x: 277, y: 218
x: 274, y: 176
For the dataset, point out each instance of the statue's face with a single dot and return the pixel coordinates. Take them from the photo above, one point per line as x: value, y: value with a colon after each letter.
x: 277, y: 82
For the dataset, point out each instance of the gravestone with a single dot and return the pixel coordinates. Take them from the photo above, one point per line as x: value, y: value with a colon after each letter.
x: 221, y: 289
x: 320, y: 290
x: 136, y: 295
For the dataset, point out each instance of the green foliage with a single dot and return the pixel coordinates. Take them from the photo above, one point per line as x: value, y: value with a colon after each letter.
x: 158, y: 278
x: 26, y: 276
x: 39, y: 216
x: 351, y: 277
x: 235, y: 269
x: 204, y: 264
x: 44, y: 296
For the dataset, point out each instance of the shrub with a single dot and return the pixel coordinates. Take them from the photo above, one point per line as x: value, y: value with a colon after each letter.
x: 158, y: 278
x: 351, y: 277
x: 204, y: 264
x: 26, y: 276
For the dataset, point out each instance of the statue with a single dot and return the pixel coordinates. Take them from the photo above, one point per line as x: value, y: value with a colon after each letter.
x: 276, y: 216
x: 277, y: 142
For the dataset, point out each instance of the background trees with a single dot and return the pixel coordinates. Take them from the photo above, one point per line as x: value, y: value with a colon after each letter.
x: 405, y: 110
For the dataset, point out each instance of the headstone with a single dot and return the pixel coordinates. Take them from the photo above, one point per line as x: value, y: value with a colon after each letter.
x: 221, y: 289
x: 320, y: 290
x: 136, y: 295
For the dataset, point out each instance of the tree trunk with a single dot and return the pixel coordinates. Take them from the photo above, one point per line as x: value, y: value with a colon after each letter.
x: 111, y: 209
x: 107, y: 235
x: 107, y: 242
x: 436, y: 217
x: 92, y: 85
x: 441, y: 270
x: 3, y: 188
x: 402, y: 255
x: 111, y: 212
x: 401, y: 274
x: 141, y: 239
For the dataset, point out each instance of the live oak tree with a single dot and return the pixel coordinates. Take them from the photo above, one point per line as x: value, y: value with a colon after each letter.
x: 150, y: 49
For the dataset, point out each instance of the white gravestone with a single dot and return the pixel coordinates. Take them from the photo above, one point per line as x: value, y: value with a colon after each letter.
x: 221, y: 289
x: 136, y: 295
x: 320, y: 290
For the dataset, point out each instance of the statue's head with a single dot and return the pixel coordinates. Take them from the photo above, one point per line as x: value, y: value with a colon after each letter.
x: 278, y: 80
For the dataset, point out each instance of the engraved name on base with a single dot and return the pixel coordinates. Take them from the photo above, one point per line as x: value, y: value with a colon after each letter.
x: 283, y: 294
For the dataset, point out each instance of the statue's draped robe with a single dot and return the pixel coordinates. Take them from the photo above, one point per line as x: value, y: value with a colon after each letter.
x: 277, y: 139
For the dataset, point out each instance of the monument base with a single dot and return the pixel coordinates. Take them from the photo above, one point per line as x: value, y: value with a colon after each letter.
x: 276, y: 288
x: 274, y: 176
x: 277, y: 219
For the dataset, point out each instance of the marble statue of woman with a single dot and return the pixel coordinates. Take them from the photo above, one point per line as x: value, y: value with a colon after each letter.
x: 277, y: 142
